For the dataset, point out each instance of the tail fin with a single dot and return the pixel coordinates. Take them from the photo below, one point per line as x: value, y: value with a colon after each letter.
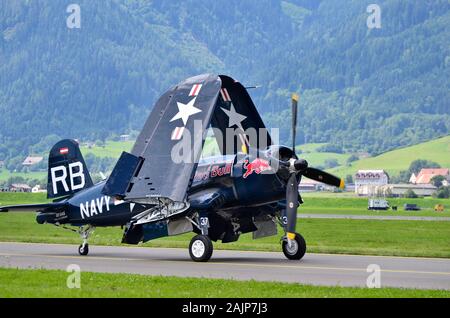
x: 67, y: 171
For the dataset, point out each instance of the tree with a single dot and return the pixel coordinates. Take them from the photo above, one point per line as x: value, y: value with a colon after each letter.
x: 100, y: 143
x: 420, y: 164
x: 443, y: 193
x: 331, y: 163
x: 347, y: 93
x: 437, y: 181
x: 349, y: 179
x: 351, y: 159
x: 410, y: 194
x: 402, y: 177
x: 330, y: 148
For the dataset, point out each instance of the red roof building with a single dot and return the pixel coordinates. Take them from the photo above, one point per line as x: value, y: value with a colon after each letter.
x: 425, y: 175
x: 30, y: 161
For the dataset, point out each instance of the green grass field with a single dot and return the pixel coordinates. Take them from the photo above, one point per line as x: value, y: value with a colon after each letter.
x: 437, y: 150
x: 5, y: 175
x: 393, y: 162
x: 53, y: 283
x: 309, y: 152
x: 398, y: 238
x: 376, y: 237
x: 112, y: 149
x: 10, y: 198
x: 310, y: 147
x: 316, y: 159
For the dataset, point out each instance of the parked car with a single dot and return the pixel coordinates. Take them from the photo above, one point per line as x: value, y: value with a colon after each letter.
x: 411, y: 207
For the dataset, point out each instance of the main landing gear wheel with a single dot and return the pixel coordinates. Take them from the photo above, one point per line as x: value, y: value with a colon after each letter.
x: 83, y: 249
x: 296, y: 249
x: 85, y: 232
x: 200, y: 248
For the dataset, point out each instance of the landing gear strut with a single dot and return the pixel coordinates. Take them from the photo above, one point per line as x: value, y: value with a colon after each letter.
x: 85, y: 232
x: 294, y: 249
x: 201, y: 247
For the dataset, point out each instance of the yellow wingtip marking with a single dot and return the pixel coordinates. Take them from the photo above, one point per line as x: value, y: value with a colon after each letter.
x: 342, y: 184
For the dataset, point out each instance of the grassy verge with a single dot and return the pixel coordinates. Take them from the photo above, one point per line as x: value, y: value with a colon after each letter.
x: 328, y: 203
x: 52, y: 283
x: 12, y: 198
x: 321, y: 203
x: 372, y: 237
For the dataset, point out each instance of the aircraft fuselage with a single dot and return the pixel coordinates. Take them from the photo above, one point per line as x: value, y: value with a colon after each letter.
x: 242, y: 180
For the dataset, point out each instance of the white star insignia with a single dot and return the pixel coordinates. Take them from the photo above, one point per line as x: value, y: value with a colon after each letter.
x: 185, y: 111
x: 234, y: 118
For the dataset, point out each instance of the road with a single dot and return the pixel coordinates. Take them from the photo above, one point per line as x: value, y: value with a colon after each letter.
x: 316, y: 269
x: 372, y: 217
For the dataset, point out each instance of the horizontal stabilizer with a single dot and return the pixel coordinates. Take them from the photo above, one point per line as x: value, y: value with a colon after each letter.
x: 44, y: 207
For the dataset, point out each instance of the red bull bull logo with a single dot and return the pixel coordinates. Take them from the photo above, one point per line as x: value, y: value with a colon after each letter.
x: 257, y: 166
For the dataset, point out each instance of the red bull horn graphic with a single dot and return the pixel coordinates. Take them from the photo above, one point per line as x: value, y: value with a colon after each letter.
x: 258, y: 165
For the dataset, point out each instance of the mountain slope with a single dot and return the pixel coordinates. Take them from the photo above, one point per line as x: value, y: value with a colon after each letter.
x: 393, y: 162
x: 362, y: 90
x: 88, y: 82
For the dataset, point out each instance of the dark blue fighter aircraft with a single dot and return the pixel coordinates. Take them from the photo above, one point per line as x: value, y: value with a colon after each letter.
x: 158, y: 190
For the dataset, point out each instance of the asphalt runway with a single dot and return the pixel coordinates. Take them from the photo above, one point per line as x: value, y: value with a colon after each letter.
x: 316, y: 269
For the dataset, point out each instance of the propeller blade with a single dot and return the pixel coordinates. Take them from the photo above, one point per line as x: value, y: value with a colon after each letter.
x: 292, y: 205
x: 294, y: 118
x: 324, y: 177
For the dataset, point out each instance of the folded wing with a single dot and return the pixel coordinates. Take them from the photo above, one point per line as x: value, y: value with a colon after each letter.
x: 164, y: 158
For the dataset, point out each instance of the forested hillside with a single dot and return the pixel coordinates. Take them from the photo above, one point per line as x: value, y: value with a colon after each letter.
x: 363, y: 90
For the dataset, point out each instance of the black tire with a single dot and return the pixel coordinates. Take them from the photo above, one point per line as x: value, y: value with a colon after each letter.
x: 200, y: 248
x: 297, y: 251
x: 83, y: 250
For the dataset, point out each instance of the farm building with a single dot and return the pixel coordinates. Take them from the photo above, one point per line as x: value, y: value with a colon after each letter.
x: 308, y: 185
x: 31, y: 161
x: 366, y: 181
x: 19, y: 187
x: 425, y: 175
x: 398, y: 190
x: 124, y: 137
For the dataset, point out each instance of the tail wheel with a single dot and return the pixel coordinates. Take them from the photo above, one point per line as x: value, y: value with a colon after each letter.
x: 200, y: 248
x: 83, y: 249
x: 296, y: 250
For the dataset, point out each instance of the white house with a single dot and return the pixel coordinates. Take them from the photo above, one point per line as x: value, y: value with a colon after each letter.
x: 366, y: 181
x: 37, y: 189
